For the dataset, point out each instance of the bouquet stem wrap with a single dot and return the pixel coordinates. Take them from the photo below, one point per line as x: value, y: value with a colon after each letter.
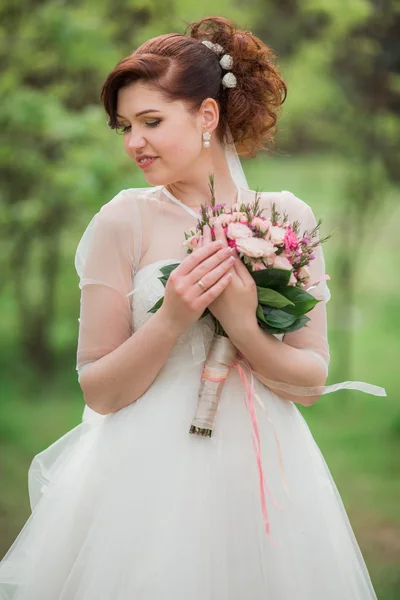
x: 220, y: 358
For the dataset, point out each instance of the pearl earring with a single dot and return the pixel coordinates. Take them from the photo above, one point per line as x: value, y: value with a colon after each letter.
x: 206, y: 139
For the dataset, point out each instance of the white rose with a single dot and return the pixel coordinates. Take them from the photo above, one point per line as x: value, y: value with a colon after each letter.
x: 238, y: 230
x: 277, y: 234
x: 255, y: 247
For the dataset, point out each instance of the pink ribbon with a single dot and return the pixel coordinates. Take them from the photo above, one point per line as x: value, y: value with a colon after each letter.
x: 257, y: 443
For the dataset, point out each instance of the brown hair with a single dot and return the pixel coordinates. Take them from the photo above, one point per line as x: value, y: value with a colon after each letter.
x: 182, y: 68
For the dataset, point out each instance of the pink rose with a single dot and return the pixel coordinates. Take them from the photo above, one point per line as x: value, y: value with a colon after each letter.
x: 224, y: 219
x: 255, y: 247
x: 240, y: 216
x: 238, y: 230
x: 193, y: 241
x: 281, y: 262
x: 261, y: 224
x: 258, y: 265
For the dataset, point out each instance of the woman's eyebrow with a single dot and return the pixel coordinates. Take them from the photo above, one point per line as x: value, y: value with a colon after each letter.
x: 142, y: 112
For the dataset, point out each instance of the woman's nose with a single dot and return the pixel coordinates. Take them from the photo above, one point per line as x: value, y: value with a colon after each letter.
x: 135, y: 140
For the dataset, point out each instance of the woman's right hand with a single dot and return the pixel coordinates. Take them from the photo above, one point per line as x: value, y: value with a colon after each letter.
x: 185, y: 300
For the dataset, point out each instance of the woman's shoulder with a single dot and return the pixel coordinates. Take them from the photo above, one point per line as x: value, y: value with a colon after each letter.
x: 128, y: 196
x: 284, y: 200
x: 118, y: 221
x: 127, y: 204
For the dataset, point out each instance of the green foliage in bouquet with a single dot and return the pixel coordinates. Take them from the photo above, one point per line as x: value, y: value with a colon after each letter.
x: 281, y: 308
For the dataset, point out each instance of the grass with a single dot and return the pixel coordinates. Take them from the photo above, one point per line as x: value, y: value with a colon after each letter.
x: 359, y: 434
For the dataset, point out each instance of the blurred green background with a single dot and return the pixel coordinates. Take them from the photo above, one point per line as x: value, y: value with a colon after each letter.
x: 338, y: 149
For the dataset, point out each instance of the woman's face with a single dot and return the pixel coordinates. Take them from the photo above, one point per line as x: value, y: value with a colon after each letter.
x: 168, y: 131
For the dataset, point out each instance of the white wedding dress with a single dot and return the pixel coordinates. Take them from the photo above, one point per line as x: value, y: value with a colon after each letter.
x: 130, y: 506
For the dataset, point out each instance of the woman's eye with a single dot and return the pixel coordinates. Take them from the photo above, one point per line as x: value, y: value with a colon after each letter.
x: 154, y: 123
x: 125, y: 128
x: 122, y: 129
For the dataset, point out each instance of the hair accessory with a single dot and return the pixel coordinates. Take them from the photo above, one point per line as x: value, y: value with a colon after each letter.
x: 226, y: 62
x: 214, y: 47
x: 229, y: 80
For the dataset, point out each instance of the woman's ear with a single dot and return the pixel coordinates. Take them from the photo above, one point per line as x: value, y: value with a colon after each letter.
x: 209, y: 114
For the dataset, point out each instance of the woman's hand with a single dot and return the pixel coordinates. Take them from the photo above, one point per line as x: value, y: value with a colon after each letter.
x: 185, y: 300
x: 235, y: 308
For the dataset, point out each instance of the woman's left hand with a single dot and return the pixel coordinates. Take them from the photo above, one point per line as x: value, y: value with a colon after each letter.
x: 236, y: 307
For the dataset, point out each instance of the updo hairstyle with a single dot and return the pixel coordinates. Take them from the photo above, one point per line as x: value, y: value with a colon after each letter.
x: 183, y: 68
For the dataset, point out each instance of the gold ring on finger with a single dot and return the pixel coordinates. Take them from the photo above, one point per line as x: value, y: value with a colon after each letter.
x: 201, y: 285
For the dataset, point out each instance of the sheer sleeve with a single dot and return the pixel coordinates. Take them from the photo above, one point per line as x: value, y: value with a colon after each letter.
x: 313, y: 338
x: 106, y: 260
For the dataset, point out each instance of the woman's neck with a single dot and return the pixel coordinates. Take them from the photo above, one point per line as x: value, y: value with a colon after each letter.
x: 194, y: 191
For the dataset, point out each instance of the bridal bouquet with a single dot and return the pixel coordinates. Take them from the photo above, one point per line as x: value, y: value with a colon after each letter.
x: 277, y: 255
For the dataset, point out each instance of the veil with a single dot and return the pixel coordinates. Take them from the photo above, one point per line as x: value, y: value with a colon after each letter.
x: 317, y: 340
x: 233, y: 161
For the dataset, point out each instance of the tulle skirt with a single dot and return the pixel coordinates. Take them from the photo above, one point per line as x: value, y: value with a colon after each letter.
x: 132, y: 506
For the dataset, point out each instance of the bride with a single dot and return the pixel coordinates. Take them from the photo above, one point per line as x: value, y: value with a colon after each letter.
x: 129, y: 505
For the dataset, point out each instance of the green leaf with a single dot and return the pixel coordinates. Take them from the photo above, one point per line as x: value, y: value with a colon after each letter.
x: 167, y: 270
x: 163, y: 280
x: 272, y: 298
x: 271, y: 278
x: 260, y: 313
x: 298, y: 324
x: 157, y: 305
x: 302, y: 300
x: 279, y: 318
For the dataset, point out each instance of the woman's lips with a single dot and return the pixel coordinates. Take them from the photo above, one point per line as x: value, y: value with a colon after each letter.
x: 146, y: 163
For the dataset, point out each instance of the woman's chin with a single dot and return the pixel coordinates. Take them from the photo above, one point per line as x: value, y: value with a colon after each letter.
x: 154, y: 179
